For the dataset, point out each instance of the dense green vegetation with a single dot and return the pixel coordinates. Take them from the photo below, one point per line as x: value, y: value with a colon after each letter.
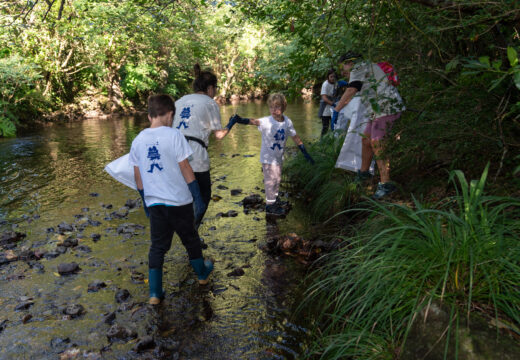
x: 463, y: 252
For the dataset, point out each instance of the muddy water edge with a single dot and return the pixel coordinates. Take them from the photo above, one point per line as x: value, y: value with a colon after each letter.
x: 66, y: 210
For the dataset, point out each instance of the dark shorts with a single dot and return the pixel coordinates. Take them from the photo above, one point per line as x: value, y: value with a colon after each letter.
x: 165, y: 221
x: 377, y: 129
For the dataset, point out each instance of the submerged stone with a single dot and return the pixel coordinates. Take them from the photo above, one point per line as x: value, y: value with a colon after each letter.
x: 144, y: 343
x: 68, y: 268
x: 236, y: 272
x: 74, y: 310
x: 122, y: 295
x: 95, y: 237
x: 222, y: 187
x: 118, y: 332
x: 11, y: 237
x: 96, y: 285
x: 24, y: 305
x: 235, y: 192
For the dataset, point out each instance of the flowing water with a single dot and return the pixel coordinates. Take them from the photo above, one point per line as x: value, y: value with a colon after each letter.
x: 55, y: 176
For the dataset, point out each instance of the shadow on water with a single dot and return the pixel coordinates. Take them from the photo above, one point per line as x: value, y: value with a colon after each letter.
x: 54, y: 190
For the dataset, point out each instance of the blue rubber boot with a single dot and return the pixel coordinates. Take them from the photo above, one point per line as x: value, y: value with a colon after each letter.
x: 202, y: 268
x: 155, y: 284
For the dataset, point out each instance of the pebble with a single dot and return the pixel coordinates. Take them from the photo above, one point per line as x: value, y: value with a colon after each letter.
x: 222, y: 187
x: 95, y: 237
x: 144, y: 343
x: 74, y: 310
x: 24, y: 305
x: 122, y: 295
x: 96, y: 285
x: 236, y: 272
x: 93, y: 194
x: 26, y: 318
x: 131, y: 203
x: 69, y: 242
x: 64, y: 227
x: 120, y: 214
x: 109, y: 318
x: 83, y: 248
x: 230, y: 213
x: 68, y: 268
x: 118, y: 332
x: 235, y: 192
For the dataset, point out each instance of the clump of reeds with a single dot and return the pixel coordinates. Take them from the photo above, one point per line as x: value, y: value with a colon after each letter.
x: 463, y: 253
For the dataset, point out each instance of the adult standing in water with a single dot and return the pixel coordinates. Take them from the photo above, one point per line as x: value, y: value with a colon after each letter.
x: 197, y: 116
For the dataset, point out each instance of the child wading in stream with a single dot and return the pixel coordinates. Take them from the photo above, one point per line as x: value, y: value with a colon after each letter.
x: 164, y: 176
x: 274, y: 129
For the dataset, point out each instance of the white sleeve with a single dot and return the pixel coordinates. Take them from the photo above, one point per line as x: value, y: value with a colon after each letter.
x: 324, y: 88
x: 291, y: 131
x: 180, y: 144
x: 132, y: 158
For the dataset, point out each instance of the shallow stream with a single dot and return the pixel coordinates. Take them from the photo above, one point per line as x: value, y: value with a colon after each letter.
x: 54, y: 190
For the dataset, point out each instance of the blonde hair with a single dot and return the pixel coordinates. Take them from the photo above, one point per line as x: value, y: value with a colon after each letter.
x: 277, y: 98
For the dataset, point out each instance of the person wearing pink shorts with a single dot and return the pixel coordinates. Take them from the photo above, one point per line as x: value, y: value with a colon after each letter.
x: 384, y: 106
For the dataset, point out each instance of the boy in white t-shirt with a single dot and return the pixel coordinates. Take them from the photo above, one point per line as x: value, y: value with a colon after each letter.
x: 274, y: 129
x: 159, y: 155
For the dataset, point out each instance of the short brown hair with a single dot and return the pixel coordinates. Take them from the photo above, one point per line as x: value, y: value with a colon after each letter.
x: 277, y: 98
x: 159, y: 105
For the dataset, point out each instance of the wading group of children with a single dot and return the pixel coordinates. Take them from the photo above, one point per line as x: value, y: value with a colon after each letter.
x: 171, y: 166
x: 161, y: 158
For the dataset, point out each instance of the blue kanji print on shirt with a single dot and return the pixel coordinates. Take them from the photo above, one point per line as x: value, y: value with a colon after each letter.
x: 185, y: 114
x: 153, y: 154
x: 279, y: 136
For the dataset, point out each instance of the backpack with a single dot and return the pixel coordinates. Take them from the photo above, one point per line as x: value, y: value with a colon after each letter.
x: 390, y: 72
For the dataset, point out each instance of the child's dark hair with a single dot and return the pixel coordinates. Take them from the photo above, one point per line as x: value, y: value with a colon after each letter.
x: 159, y: 105
x: 331, y: 71
x: 203, y: 79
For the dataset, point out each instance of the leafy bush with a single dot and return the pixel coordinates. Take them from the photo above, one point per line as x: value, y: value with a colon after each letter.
x: 18, y: 97
x: 329, y: 189
x: 464, y: 253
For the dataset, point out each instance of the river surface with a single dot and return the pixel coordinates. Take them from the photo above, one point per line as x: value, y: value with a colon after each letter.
x: 55, y: 176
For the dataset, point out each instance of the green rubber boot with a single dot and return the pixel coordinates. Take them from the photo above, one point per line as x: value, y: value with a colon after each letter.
x: 155, y: 284
x: 203, y: 269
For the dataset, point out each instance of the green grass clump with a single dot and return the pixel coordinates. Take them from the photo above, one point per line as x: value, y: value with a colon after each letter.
x: 329, y: 190
x: 463, y: 253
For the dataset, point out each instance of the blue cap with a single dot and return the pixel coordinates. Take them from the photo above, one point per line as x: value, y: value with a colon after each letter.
x: 342, y: 83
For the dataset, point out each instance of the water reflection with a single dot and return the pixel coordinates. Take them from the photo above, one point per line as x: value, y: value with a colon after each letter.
x: 57, y: 176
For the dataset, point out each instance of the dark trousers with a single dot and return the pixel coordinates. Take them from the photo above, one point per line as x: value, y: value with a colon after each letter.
x: 204, y: 180
x: 164, y: 222
x: 325, y: 121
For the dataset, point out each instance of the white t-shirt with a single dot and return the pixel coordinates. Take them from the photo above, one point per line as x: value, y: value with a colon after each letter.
x: 327, y: 89
x: 376, y: 86
x: 197, y: 115
x: 157, y: 152
x: 274, y: 137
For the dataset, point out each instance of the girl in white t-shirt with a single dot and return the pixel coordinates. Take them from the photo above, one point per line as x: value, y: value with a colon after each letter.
x: 197, y: 116
x: 275, y: 129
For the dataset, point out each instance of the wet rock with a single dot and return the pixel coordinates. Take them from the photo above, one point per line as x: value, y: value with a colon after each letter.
x: 212, y: 228
x: 39, y: 253
x: 61, y: 249
x: 15, y: 277
x: 60, y: 343
x: 222, y: 187
x: 10, y: 256
x: 3, y: 325
x: 74, y: 310
x: 248, y: 156
x: 236, y: 272
x: 96, y: 285
x: 36, y: 265
x: 120, y: 214
x: 93, y: 222
x: 95, y: 237
x: 118, y: 332
x: 253, y: 201
x: 144, y: 343
x: 137, y: 277
x: 129, y: 228
x: 26, y: 318
x: 230, y: 213
x: 68, y: 268
x: 65, y: 227
x: 216, y: 198
x: 93, y: 194
x: 69, y: 242
x: 106, y: 206
x: 131, y: 203
x: 85, y: 209
x: 109, y: 318
x: 51, y: 255
x: 235, y: 155
x: 50, y: 230
x: 235, y: 192
x: 24, y: 305
x: 11, y: 237
x: 3, y: 260
x: 83, y: 248
x: 122, y: 295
